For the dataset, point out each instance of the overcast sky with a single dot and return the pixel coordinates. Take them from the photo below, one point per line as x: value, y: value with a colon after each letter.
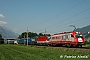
x: 54, y: 15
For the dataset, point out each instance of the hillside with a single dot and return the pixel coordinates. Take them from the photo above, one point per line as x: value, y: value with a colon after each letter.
x: 84, y: 30
x: 7, y: 33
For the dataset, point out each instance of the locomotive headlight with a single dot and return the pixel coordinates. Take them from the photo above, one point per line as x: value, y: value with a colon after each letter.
x: 80, y: 35
x: 77, y: 32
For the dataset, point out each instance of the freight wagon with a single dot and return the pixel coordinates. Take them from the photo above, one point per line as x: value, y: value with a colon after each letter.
x: 31, y: 41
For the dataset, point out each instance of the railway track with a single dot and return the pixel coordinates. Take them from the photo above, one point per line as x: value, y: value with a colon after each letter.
x: 83, y: 49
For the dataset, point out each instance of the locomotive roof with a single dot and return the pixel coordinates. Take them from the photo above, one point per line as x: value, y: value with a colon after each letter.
x: 74, y: 32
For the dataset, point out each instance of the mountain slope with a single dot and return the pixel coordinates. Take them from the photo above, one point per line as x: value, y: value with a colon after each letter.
x: 7, y: 33
x: 84, y: 30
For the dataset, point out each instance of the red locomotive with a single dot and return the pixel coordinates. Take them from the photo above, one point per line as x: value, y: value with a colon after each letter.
x: 69, y: 39
x: 42, y: 40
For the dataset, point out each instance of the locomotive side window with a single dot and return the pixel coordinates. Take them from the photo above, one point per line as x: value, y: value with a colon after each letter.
x: 56, y: 37
x: 59, y: 37
x: 67, y: 37
x: 64, y: 37
x: 53, y: 37
x: 72, y: 35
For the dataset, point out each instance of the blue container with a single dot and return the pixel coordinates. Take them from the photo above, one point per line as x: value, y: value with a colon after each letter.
x: 21, y: 41
x: 29, y: 40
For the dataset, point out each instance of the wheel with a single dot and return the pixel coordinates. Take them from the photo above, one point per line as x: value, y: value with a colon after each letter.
x: 80, y: 46
x: 68, y: 45
x: 73, y: 46
x: 54, y: 45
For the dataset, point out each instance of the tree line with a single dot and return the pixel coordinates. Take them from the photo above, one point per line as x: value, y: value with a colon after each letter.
x: 31, y: 34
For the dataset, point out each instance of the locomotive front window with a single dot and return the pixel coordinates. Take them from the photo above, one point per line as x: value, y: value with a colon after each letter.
x: 79, y: 35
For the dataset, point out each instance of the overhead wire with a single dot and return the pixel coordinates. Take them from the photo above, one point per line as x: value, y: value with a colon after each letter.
x: 70, y: 23
x: 67, y: 19
x: 58, y: 14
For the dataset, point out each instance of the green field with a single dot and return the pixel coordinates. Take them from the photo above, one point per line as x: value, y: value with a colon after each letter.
x: 21, y: 52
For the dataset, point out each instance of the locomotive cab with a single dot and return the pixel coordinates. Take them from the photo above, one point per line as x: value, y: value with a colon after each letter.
x: 78, y: 39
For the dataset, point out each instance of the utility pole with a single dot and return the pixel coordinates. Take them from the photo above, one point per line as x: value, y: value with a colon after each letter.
x: 24, y: 39
x: 45, y: 31
x: 27, y: 36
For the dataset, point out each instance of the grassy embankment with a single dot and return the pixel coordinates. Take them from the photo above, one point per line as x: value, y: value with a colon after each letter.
x: 20, y: 52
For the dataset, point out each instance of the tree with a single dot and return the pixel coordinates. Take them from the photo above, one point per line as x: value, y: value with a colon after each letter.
x: 47, y: 34
x: 0, y: 36
x: 40, y: 34
x: 24, y: 35
x: 1, y: 39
